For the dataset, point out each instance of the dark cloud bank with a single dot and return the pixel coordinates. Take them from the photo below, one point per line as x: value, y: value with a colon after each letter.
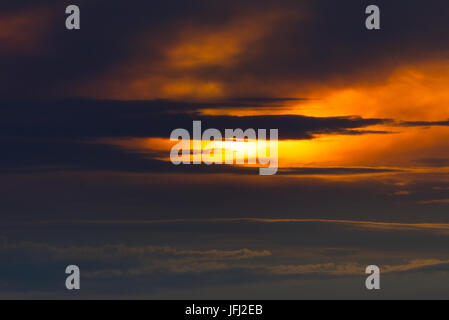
x: 338, y: 45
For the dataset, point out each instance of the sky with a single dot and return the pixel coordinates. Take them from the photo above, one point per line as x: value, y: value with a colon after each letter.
x: 86, y: 177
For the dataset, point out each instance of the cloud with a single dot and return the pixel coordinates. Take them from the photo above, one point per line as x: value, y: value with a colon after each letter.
x: 57, y: 155
x: 300, y: 52
x: 335, y: 171
x: 101, y: 261
x: 239, y: 48
x: 436, y: 201
x: 139, y: 263
x: 358, y: 224
x: 434, y: 162
x: 345, y: 269
x: 23, y: 34
x: 118, y: 252
x: 402, y: 193
x: 75, y: 134
x: 298, y: 249
x: 92, y: 118
x: 424, y: 123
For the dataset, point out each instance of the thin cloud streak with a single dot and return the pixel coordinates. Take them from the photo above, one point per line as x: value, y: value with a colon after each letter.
x: 361, y: 224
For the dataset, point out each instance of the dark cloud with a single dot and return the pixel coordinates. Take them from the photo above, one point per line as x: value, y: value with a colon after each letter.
x: 60, y: 135
x: 242, y: 103
x: 187, y: 264
x: 91, y: 118
x: 424, y: 123
x: 103, y: 42
x: 338, y: 45
x: 333, y: 171
x: 32, y: 156
x: 39, y: 156
x: 434, y: 162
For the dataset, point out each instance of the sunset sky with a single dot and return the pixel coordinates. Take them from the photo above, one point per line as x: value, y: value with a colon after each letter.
x: 86, y: 177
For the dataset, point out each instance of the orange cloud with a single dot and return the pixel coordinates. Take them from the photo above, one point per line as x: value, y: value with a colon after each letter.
x: 23, y: 32
x: 193, y: 88
x: 223, y: 46
x: 180, y: 70
x: 410, y: 93
x: 413, y: 92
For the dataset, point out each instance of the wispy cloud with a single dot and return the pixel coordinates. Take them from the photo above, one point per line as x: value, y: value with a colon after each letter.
x: 353, y: 223
x: 343, y: 269
x: 436, y: 201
